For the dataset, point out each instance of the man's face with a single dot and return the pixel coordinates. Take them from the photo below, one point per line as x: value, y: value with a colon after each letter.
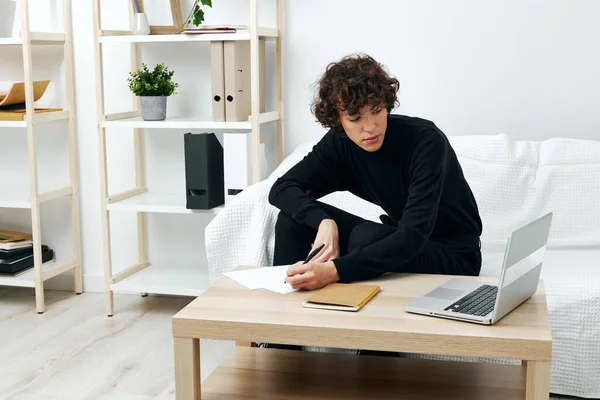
x: 366, y: 129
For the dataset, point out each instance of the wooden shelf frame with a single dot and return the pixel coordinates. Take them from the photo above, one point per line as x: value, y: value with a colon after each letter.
x: 138, y: 199
x: 36, y: 39
x: 35, y: 199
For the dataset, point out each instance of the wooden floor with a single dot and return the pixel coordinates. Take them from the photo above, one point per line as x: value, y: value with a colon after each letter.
x: 75, y: 352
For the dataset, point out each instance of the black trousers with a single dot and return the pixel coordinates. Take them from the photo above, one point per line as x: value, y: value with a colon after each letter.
x: 293, y: 242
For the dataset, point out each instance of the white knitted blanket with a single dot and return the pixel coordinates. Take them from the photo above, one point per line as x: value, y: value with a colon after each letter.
x: 513, y: 182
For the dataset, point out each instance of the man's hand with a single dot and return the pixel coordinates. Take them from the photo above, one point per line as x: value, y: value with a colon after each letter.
x: 311, y: 276
x: 327, y: 235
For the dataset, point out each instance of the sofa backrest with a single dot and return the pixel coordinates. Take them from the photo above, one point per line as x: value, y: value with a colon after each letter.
x: 515, y: 182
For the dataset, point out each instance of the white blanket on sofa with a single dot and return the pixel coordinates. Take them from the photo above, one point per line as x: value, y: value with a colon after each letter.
x: 514, y: 182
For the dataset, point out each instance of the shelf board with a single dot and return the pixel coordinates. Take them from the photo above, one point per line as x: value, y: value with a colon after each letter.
x: 38, y: 117
x: 13, y: 124
x: 158, y: 203
x: 240, y: 35
x: 191, y: 280
x: 36, y: 38
x: 176, y: 123
x: 25, y: 279
x: 15, y: 199
x: 11, y: 41
x: 264, y: 33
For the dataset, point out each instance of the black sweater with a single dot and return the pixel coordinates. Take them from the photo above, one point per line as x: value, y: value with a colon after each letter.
x: 414, y: 177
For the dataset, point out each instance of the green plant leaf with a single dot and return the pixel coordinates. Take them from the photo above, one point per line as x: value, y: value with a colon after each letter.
x: 198, y: 17
x: 207, y: 2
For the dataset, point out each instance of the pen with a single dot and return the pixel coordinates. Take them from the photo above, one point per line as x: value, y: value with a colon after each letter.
x: 311, y: 255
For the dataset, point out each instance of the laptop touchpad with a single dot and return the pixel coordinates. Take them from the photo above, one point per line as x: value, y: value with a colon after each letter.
x: 444, y: 293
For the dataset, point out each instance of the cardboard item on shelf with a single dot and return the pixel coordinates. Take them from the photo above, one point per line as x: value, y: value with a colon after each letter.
x: 19, y: 114
x: 13, y: 236
x: 16, y: 93
x: 12, y: 103
x: 217, y: 80
x: 236, y: 64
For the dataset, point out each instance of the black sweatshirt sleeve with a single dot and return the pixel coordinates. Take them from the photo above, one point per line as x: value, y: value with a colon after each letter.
x: 321, y: 172
x: 426, y: 173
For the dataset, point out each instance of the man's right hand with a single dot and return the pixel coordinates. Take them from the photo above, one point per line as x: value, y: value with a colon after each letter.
x: 328, y: 235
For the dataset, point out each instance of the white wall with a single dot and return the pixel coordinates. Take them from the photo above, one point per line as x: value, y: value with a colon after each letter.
x: 527, y: 68
x: 524, y: 68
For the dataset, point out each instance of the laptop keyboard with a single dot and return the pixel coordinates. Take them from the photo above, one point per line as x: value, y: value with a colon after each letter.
x: 479, y: 302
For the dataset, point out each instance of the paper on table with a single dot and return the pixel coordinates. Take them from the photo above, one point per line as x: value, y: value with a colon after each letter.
x: 270, y: 278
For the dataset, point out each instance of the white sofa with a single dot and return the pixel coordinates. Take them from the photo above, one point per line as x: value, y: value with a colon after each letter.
x: 513, y: 182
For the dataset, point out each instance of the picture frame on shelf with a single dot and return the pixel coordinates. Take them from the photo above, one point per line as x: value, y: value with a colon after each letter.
x: 164, y: 16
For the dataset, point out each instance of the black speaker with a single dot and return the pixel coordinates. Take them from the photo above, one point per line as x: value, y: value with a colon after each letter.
x: 204, y: 175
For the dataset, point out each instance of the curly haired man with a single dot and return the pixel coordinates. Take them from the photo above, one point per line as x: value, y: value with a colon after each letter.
x: 403, y: 164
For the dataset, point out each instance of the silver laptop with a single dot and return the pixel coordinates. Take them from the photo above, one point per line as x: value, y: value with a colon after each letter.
x: 483, y: 303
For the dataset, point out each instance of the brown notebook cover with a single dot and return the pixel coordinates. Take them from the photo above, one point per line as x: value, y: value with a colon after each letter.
x: 342, y: 296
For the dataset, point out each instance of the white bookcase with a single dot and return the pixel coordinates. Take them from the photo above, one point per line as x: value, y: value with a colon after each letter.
x: 33, y: 199
x: 143, y: 276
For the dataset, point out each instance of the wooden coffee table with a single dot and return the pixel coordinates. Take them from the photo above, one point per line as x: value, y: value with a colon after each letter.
x: 230, y: 311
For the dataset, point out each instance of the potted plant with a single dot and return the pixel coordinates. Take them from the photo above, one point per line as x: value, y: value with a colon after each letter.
x: 153, y: 88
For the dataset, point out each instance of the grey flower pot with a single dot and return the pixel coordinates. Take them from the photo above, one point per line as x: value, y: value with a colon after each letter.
x: 154, y: 108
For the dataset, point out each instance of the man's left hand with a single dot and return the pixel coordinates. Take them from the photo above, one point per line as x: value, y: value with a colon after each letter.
x: 311, y: 276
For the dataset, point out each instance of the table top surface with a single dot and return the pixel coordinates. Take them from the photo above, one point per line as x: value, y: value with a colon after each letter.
x: 228, y: 310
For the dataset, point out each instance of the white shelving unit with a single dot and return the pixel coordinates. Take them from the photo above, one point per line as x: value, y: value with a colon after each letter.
x: 150, y: 202
x: 190, y: 280
x: 33, y: 199
x: 184, y: 281
x: 176, y: 123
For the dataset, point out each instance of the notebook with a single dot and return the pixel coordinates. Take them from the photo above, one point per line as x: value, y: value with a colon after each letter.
x: 342, y: 296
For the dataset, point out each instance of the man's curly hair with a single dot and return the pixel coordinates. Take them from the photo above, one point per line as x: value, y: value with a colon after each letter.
x: 350, y: 84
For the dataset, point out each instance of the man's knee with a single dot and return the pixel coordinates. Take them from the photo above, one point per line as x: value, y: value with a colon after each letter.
x: 366, y: 233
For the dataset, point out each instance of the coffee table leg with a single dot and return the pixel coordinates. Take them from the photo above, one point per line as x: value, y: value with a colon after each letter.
x: 187, y: 368
x: 538, y: 380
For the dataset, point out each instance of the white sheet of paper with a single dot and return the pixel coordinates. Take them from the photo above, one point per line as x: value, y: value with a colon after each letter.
x: 270, y: 278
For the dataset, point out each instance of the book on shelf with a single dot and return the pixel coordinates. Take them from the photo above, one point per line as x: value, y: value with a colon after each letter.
x: 10, y: 254
x: 18, y: 114
x: 13, y: 236
x: 206, y: 29
x: 10, y: 240
x: 17, y: 264
x: 16, y: 245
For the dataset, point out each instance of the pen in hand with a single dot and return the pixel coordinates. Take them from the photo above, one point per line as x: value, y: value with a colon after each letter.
x: 311, y: 256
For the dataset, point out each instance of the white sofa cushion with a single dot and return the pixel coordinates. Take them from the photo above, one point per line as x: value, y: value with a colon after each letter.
x: 517, y: 181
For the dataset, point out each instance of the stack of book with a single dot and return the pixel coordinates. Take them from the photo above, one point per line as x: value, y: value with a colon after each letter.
x: 16, y: 252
